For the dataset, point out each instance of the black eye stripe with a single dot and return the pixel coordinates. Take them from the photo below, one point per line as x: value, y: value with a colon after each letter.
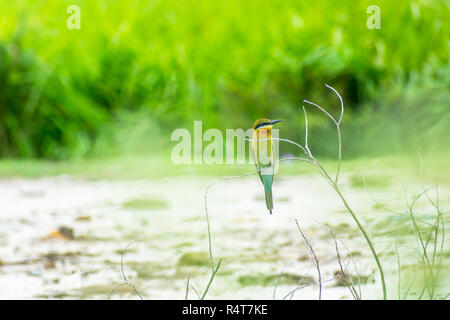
x: 262, y: 124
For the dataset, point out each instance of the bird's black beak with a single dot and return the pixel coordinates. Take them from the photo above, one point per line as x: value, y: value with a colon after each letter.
x: 275, y: 121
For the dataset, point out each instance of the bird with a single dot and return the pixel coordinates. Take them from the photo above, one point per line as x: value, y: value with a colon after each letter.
x: 264, y: 155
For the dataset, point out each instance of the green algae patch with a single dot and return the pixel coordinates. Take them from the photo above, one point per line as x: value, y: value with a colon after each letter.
x: 266, y: 280
x: 372, y: 181
x: 193, y: 259
x: 145, y: 204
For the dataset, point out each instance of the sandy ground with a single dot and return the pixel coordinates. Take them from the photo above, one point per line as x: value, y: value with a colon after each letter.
x: 171, y: 238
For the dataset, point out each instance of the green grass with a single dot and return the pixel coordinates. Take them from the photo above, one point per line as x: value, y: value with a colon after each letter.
x: 437, y: 168
x: 120, y: 80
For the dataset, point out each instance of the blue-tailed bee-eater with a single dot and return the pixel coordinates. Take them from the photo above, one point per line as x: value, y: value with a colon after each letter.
x: 264, y: 155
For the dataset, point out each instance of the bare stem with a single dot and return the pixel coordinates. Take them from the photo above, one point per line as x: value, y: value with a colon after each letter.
x: 278, y: 280
x: 313, y: 254
x: 125, y: 279
x: 366, y: 237
x: 334, y: 182
x: 213, y: 275
x: 214, y: 269
x: 187, y: 287
x: 348, y: 281
x: 399, y: 269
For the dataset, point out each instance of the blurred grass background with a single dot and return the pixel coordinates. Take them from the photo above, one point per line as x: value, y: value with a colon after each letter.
x: 101, y: 102
x: 136, y: 70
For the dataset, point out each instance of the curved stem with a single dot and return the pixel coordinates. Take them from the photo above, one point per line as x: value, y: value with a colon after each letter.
x: 131, y: 285
x: 334, y: 182
x: 369, y: 242
x: 335, y: 186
